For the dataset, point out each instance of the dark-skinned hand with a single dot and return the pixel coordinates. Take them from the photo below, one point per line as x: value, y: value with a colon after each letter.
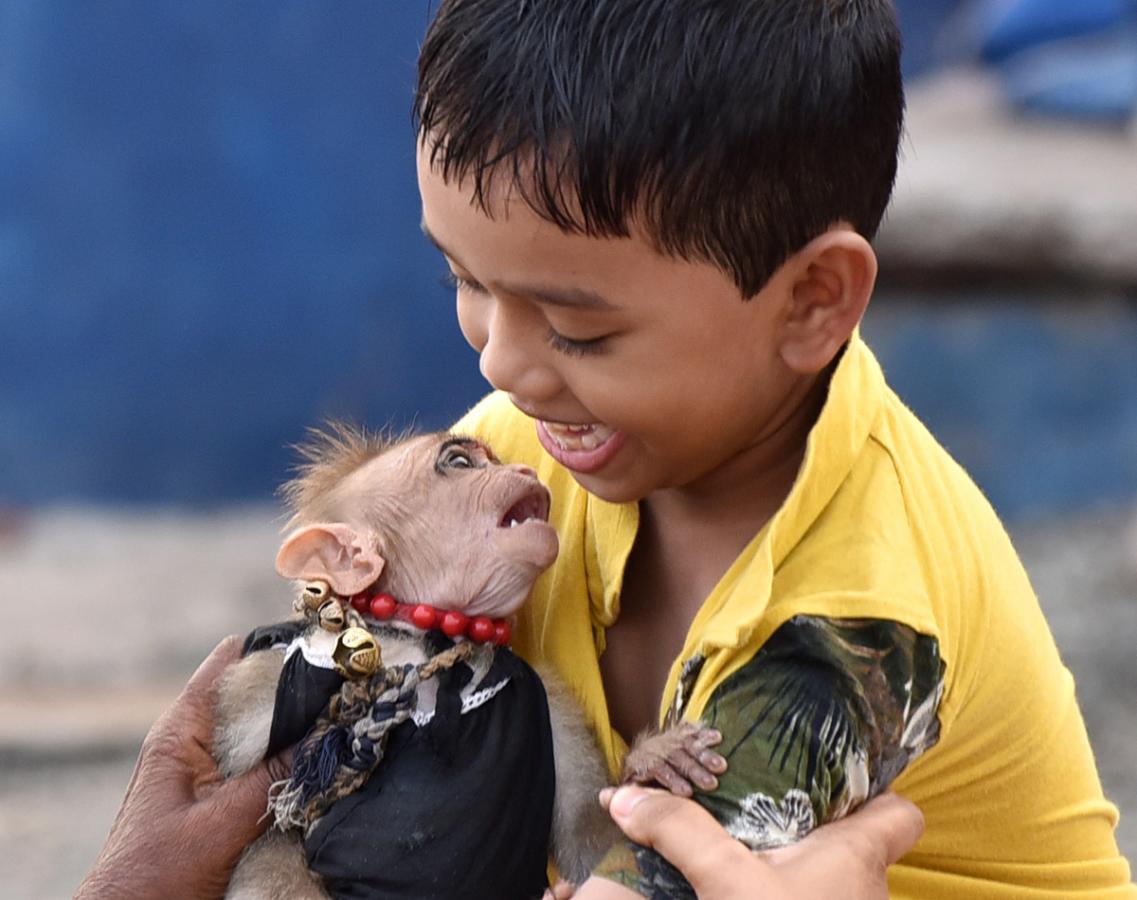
x: 181, y: 828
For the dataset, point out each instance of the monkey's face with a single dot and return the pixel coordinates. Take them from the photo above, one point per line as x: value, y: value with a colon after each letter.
x: 471, y: 532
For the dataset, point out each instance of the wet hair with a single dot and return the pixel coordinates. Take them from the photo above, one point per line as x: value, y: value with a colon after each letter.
x: 730, y: 132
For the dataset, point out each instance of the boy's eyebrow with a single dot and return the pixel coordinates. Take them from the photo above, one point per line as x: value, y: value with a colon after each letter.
x: 575, y: 298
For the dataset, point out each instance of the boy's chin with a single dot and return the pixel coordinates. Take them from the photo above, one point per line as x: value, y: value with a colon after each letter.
x: 612, y: 489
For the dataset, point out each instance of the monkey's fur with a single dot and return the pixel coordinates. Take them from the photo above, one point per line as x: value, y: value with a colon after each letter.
x: 361, y: 504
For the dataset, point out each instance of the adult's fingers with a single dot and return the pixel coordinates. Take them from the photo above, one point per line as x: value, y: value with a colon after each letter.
x: 684, y: 833
x: 200, y: 685
x: 238, y: 809
x: 190, y: 716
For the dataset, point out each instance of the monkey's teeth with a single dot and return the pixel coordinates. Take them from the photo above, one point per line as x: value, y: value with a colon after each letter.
x: 533, y: 505
x: 578, y: 437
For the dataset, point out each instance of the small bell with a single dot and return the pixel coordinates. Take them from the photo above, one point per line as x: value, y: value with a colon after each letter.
x: 356, y: 654
x: 315, y: 593
x: 331, y: 616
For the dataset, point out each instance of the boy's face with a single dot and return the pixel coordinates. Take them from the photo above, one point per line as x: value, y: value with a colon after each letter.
x: 641, y: 371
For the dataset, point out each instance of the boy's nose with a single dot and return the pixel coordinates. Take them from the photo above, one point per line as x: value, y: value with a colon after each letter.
x: 506, y: 363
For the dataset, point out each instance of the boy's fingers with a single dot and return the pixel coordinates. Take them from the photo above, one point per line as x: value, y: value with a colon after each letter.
x: 682, y: 832
x: 888, y: 821
x: 562, y: 890
x: 879, y: 833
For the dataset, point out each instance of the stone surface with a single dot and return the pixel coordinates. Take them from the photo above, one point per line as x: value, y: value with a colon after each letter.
x: 983, y: 191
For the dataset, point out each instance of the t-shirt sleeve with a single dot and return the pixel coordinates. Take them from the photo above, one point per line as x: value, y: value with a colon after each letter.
x: 824, y: 717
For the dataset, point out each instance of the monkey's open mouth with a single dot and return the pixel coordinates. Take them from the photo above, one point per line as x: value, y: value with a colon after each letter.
x: 534, y: 505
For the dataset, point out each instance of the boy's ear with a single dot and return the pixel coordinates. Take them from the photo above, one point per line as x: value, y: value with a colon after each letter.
x: 331, y: 552
x: 836, y: 272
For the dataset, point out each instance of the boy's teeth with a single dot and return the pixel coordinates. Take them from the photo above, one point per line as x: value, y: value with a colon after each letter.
x: 578, y: 437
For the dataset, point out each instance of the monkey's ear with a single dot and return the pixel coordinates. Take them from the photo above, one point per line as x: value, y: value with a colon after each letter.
x: 331, y: 552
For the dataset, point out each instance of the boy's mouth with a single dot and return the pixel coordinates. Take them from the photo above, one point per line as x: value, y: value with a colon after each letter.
x: 581, y: 448
x: 578, y: 437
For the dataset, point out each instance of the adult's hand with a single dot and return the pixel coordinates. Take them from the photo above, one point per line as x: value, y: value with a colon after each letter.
x: 181, y: 829
x: 849, y: 857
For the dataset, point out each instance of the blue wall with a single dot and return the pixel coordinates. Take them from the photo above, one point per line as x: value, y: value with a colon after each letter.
x: 209, y: 240
x: 1034, y: 392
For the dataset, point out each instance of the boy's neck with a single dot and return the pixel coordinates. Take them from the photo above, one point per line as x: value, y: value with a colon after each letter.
x: 687, y: 539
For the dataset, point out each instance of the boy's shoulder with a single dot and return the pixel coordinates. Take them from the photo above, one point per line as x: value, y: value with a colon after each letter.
x: 882, y: 521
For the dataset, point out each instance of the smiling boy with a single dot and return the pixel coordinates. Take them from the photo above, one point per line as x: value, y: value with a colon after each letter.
x: 657, y: 216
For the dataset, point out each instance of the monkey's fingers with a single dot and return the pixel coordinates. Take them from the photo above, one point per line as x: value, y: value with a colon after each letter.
x: 712, y: 762
x: 695, y: 759
x: 667, y: 776
x: 695, y: 770
x: 705, y: 737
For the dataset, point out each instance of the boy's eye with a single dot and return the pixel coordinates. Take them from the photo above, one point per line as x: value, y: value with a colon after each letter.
x: 574, y: 347
x: 457, y: 283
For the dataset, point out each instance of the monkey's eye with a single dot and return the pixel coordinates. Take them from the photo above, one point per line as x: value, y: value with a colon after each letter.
x: 457, y: 458
x: 460, y: 453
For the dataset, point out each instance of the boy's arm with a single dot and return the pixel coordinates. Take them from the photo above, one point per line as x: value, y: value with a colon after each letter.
x: 827, y: 714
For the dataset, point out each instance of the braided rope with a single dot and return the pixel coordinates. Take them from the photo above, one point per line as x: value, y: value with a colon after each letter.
x: 348, y: 740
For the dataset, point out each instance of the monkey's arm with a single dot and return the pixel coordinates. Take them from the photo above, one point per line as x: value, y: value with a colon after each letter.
x: 246, y: 699
x: 246, y: 710
x: 675, y: 758
x: 582, y: 831
x: 825, y: 716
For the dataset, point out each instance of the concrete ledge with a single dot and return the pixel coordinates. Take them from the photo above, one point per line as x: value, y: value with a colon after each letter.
x: 38, y: 729
x: 982, y: 191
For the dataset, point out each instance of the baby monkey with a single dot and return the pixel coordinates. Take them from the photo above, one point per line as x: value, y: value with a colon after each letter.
x: 432, y: 762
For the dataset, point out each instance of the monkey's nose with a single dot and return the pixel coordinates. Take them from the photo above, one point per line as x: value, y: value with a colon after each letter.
x: 522, y: 469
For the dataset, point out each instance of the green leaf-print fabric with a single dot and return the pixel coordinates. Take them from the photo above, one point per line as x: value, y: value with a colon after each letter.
x: 825, y: 716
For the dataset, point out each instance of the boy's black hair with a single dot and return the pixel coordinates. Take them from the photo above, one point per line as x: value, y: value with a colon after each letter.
x: 732, y: 131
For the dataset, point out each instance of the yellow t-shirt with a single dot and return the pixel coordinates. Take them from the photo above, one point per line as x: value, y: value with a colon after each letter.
x: 881, y: 523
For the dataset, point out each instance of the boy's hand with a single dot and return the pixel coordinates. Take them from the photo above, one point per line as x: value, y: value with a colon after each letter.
x: 849, y: 857
x: 181, y: 829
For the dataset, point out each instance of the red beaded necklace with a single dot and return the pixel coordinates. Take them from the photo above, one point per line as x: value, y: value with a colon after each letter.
x: 480, y: 629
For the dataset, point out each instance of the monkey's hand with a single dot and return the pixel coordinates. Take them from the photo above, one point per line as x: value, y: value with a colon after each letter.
x: 678, y: 759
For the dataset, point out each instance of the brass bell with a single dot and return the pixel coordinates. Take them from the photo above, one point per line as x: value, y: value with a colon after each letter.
x: 315, y: 593
x: 356, y: 654
x: 331, y: 616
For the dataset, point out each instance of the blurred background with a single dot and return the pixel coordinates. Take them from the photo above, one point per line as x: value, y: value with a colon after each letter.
x: 209, y: 241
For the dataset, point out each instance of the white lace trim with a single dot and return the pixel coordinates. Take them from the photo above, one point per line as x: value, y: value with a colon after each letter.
x: 323, y: 659
x: 469, y: 702
x: 320, y: 658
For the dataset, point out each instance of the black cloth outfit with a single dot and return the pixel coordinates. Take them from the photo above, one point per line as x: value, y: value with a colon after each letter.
x: 460, y: 807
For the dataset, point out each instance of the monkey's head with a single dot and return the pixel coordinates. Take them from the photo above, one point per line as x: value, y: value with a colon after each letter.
x: 434, y: 519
